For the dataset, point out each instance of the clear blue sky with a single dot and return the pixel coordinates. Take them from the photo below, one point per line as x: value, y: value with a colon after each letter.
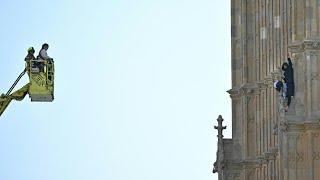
x: 139, y: 85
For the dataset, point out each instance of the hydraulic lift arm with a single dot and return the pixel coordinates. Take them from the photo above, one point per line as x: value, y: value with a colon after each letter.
x: 18, y: 95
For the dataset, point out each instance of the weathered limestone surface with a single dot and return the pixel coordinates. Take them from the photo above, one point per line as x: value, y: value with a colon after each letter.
x: 266, y: 142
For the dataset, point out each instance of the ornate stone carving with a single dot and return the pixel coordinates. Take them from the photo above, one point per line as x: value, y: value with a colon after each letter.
x: 300, y: 126
x: 246, y: 89
x: 299, y: 156
x: 219, y: 164
x: 296, y: 56
x: 316, y: 155
x: 220, y: 128
x: 316, y: 45
x: 315, y: 134
x: 305, y: 45
x: 276, y: 74
x: 215, y: 167
x: 284, y: 126
x: 315, y: 76
x: 233, y: 175
x: 312, y: 44
x: 262, y: 85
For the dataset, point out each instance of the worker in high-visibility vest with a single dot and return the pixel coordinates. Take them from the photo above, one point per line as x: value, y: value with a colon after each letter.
x: 30, y: 55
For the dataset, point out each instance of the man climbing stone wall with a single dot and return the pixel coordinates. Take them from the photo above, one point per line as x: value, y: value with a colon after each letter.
x: 268, y: 143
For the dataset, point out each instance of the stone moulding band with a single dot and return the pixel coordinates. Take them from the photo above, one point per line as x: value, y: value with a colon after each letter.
x: 308, y: 44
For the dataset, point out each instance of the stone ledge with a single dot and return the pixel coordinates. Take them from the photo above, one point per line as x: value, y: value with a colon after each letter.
x: 251, y: 162
x: 256, y: 87
x: 307, y: 44
x: 301, y: 126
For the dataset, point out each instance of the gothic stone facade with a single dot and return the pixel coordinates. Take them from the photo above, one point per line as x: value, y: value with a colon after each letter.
x: 267, y: 143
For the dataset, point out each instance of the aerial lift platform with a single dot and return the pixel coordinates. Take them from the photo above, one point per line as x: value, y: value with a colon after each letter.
x: 40, y: 87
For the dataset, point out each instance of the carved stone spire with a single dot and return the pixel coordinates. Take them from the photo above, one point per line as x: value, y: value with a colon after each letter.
x: 220, y: 128
x: 217, y: 166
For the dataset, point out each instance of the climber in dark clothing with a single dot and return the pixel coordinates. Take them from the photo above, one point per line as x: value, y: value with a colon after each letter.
x: 288, y: 79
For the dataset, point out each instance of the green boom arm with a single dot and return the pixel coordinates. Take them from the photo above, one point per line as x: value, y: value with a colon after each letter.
x: 17, y: 95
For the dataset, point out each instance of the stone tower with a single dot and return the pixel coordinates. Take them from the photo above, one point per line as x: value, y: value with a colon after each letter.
x: 268, y: 143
